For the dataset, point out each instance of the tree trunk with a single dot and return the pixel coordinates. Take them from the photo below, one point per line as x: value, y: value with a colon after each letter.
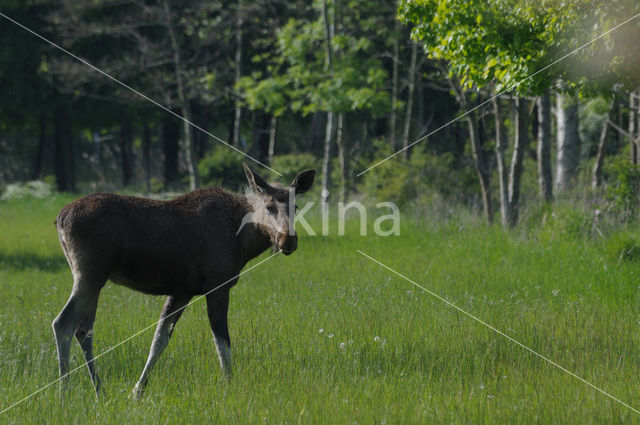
x: 480, y: 162
x: 568, y: 141
x: 184, y: 102
x: 170, y: 135
x: 411, y: 88
x: 342, y: 157
x: 329, y: 29
x: 272, y: 138
x: 62, y: 138
x: 38, y: 164
x: 596, y: 177
x: 146, y: 154
x: 326, y: 159
x: 520, y: 145
x: 633, y: 128
x: 544, y: 147
x: 503, y: 176
x: 394, y: 86
x: 126, y: 151
x: 238, y: 72
x: 617, y: 119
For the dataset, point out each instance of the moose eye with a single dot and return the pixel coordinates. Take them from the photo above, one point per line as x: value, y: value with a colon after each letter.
x: 272, y: 209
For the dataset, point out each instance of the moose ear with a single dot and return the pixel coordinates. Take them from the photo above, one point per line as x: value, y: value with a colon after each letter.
x: 303, y: 181
x: 256, y: 182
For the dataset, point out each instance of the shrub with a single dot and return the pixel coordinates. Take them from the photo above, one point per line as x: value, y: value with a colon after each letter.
x: 419, y: 177
x: 222, y: 167
x: 34, y: 189
x: 624, y: 192
x: 622, y: 247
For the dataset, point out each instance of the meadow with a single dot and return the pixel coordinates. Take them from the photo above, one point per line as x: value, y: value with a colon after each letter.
x: 327, y: 336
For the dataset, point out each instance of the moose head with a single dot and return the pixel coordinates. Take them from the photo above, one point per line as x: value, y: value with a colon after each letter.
x: 273, y: 208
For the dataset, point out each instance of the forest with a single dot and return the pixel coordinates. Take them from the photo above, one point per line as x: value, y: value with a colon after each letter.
x: 488, y: 105
x: 504, y: 136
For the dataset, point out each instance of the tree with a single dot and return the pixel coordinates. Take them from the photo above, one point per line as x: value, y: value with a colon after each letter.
x: 568, y: 140
x: 507, y: 44
x: 319, y: 68
x: 27, y: 100
x: 174, y: 58
x: 487, y: 45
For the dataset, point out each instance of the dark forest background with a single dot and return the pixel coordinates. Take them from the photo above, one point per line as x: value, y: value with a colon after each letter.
x: 335, y: 85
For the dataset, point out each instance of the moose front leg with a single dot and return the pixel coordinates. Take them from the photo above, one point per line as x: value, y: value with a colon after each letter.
x: 217, y: 309
x: 171, y: 312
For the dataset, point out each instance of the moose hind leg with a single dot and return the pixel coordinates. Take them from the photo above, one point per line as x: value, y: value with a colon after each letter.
x: 81, y: 304
x: 84, y: 335
x: 217, y: 309
x: 171, y: 312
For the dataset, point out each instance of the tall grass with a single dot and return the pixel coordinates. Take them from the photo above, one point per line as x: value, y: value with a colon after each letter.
x: 327, y: 336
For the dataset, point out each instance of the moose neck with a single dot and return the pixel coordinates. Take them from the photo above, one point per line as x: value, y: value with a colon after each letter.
x: 253, y: 238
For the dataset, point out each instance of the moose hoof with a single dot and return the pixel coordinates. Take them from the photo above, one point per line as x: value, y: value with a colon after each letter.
x: 138, y: 391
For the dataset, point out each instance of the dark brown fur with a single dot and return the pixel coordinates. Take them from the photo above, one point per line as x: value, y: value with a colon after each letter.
x: 185, y: 246
x: 188, y: 246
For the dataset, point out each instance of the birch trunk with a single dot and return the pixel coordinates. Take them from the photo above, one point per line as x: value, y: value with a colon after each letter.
x: 184, y: 102
x: 411, y: 89
x: 394, y: 86
x: 633, y: 128
x: 568, y: 141
x: 503, y: 177
x: 326, y: 159
x: 481, y: 165
x: 272, y: 138
x: 520, y: 144
x: 342, y: 157
x: 477, y: 148
x: 596, y: 177
x: 544, y: 147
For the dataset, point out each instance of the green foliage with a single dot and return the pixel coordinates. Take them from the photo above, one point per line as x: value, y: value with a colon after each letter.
x: 506, y: 42
x: 299, y: 78
x: 292, y: 164
x: 420, y: 177
x: 156, y: 185
x: 496, y: 42
x: 624, y: 189
x: 269, y: 94
x: 222, y: 167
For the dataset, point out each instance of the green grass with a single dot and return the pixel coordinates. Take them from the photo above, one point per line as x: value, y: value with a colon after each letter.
x: 327, y: 336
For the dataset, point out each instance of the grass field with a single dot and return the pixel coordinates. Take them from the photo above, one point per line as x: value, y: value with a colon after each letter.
x: 327, y: 336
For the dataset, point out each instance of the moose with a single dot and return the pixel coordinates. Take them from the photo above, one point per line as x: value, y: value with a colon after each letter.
x: 195, y: 244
